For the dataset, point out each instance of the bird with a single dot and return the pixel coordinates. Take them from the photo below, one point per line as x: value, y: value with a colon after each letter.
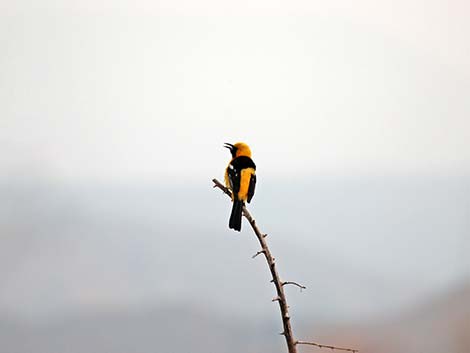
x: 240, y: 178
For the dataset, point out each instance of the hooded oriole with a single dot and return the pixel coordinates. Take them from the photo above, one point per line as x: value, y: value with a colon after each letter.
x: 240, y: 177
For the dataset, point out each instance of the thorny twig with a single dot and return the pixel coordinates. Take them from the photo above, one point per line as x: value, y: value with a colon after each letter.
x: 281, y: 297
x: 327, y: 346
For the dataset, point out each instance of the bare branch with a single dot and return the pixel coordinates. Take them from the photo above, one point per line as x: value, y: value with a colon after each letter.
x: 218, y: 184
x: 281, y: 297
x: 295, y: 284
x: 327, y: 346
x: 272, y: 267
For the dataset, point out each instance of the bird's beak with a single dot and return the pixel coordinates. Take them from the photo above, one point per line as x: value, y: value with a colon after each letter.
x: 232, y: 148
x: 229, y: 146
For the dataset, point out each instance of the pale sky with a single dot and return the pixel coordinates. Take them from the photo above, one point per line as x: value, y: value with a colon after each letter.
x: 131, y: 90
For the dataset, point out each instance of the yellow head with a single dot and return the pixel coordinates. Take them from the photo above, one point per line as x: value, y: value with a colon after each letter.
x: 239, y: 149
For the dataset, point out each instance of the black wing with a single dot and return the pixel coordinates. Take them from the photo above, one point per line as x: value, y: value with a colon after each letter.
x: 251, y: 188
x: 234, y: 179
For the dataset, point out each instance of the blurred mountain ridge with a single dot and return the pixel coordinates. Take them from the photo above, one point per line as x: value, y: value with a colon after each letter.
x: 361, y: 246
x: 440, y: 324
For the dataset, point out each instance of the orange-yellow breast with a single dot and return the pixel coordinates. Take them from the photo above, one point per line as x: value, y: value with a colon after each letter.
x: 245, y: 178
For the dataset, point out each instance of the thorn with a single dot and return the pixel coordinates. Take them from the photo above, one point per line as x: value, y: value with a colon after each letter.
x: 265, y: 235
x: 282, y: 333
x: 259, y: 252
x: 295, y: 284
x: 276, y: 299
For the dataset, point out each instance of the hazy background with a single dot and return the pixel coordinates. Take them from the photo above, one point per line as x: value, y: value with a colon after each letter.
x: 113, y: 115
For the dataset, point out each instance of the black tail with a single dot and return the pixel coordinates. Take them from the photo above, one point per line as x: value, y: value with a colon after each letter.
x: 236, y: 216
